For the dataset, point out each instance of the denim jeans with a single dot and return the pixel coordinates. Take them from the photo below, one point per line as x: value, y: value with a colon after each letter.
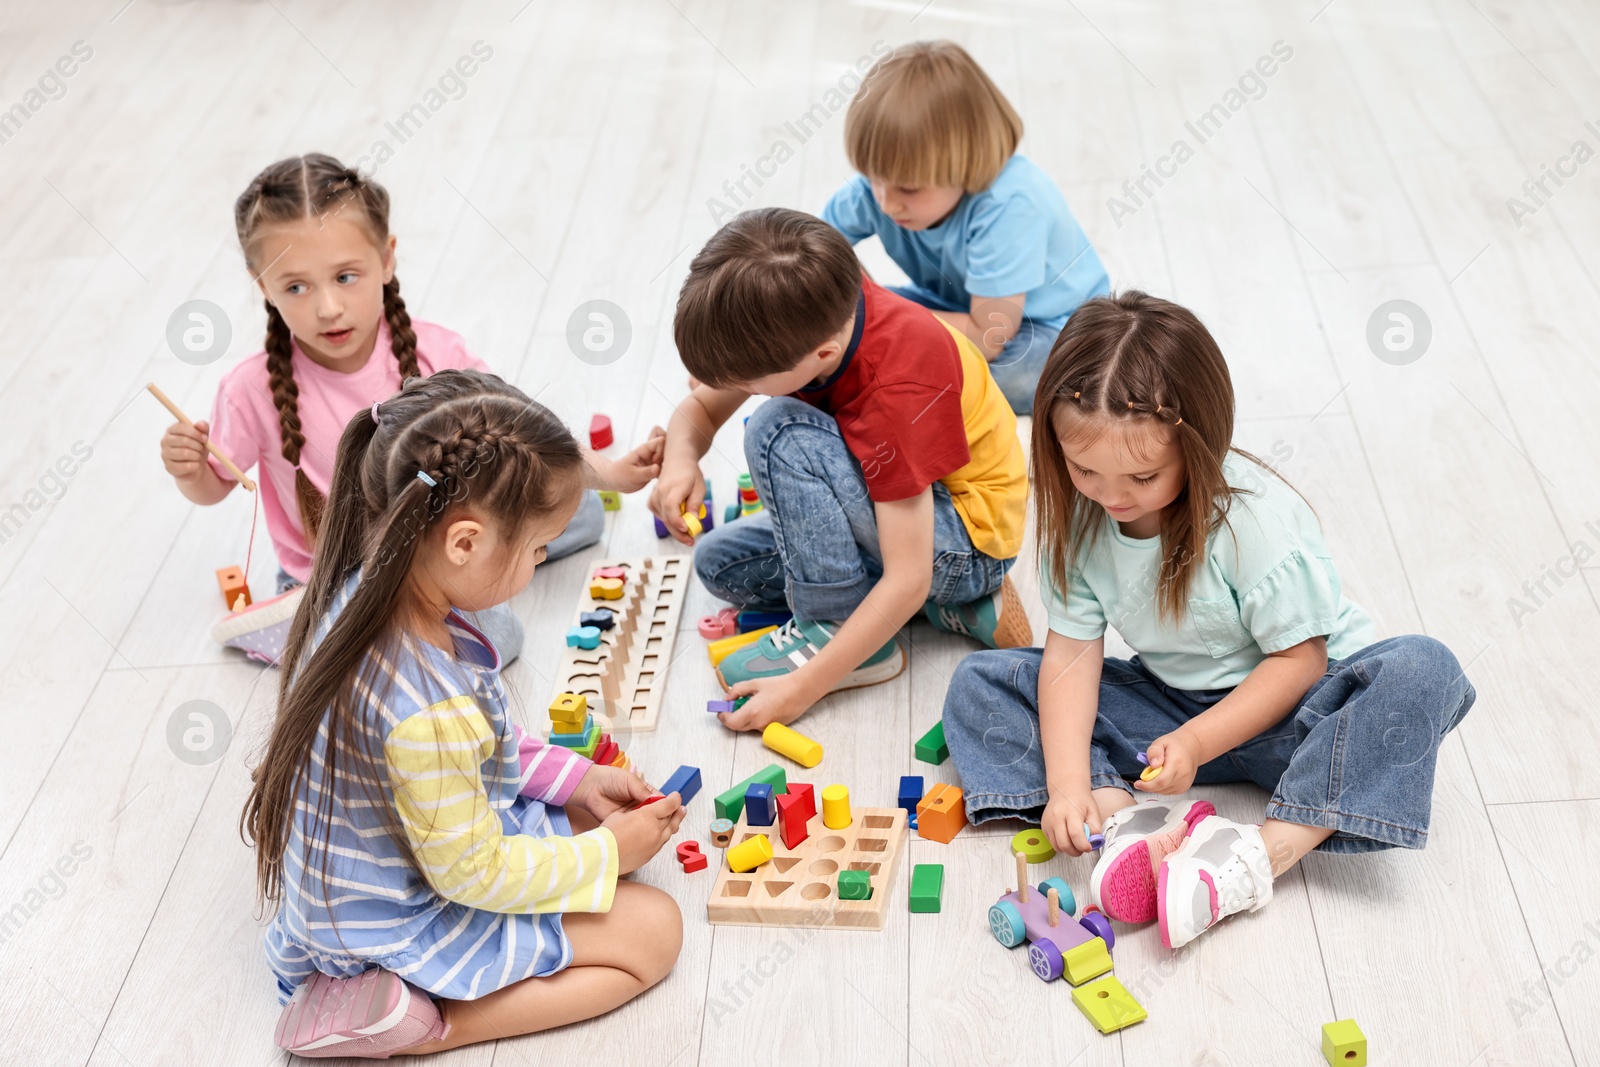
x: 814, y: 549
x: 1016, y: 368
x: 1356, y: 755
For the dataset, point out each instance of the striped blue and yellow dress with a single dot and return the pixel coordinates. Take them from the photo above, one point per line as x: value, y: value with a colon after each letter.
x: 473, y: 902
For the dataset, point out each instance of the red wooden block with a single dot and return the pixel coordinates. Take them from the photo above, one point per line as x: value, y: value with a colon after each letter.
x: 792, y: 818
x: 599, y: 432
x: 605, y: 752
x: 610, y: 572
x: 804, y: 789
x: 690, y: 856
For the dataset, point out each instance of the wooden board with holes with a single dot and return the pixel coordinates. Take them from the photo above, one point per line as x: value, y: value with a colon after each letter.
x: 624, y: 678
x: 800, y: 886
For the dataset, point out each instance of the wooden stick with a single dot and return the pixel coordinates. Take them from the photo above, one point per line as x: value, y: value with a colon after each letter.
x: 1022, y: 877
x: 239, y: 475
x: 1055, y: 908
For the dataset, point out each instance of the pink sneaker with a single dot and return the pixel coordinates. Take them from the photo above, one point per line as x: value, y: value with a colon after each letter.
x: 1123, y: 882
x: 371, y: 1016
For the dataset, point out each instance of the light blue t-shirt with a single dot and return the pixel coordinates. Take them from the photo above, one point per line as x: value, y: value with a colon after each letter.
x: 1266, y: 583
x: 1017, y: 236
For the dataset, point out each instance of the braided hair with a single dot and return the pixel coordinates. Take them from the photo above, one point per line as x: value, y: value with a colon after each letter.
x: 476, y: 439
x: 304, y: 187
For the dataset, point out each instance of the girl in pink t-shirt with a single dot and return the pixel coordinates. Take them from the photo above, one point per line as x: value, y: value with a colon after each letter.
x: 316, y: 238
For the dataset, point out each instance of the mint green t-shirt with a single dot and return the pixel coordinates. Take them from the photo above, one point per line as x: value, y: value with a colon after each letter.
x: 1266, y: 583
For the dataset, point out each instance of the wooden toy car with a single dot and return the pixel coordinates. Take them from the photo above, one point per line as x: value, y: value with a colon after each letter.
x: 1059, y: 943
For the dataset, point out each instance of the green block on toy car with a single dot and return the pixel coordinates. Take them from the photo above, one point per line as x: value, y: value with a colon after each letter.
x: 1108, y: 1005
x: 931, y: 748
x: 927, y: 886
x: 855, y: 885
x: 1086, y: 961
x: 730, y: 805
x: 1343, y: 1044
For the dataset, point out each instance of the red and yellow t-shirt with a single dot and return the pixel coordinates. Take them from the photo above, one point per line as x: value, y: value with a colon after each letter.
x: 916, y: 404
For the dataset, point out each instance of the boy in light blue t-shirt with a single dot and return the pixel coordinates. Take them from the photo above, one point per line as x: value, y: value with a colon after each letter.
x: 984, y: 234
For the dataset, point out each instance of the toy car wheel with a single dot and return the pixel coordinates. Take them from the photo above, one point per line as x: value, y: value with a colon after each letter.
x: 1069, y: 903
x: 1045, y: 959
x: 1005, y: 923
x: 1097, y: 924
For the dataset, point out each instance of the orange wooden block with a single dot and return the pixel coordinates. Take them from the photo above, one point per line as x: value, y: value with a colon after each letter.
x: 231, y: 581
x: 942, y: 813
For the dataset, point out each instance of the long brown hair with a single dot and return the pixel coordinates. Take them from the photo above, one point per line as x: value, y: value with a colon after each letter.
x: 483, y: 442
x: 1128, y: 358
x: 308, y: 187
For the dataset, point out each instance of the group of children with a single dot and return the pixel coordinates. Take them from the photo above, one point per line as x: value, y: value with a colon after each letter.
x: 439, y: 878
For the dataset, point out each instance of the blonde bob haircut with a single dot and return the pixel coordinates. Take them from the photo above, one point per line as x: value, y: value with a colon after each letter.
x: 927, y: 115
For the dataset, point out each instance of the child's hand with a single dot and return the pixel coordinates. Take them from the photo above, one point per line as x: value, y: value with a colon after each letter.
x: 604, y: 791
x: 640, y: 832
x: 1064, y: 817
x: 1178, y: 756
x: 777, y: 699
x: 680, y: 488
x: 183, y: 450
x: 638, y: 468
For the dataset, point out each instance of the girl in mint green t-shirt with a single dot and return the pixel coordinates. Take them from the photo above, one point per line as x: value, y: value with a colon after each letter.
x: 1252, y: 664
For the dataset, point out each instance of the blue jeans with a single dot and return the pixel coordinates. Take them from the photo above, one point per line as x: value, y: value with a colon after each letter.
x: 813, y: 549
x: 1355, y: 756
x: 1016, y: 369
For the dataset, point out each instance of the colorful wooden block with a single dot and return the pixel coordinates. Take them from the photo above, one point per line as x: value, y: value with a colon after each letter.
x: 1343, y: 1044
x: 1088, y: 960
x: 910, y: 791
x: 661, y: 527
x: 721, y: 832
x: 685, y: 781
x: 231, y: 581
x: 719, y: 707
x: 1108, y: 1005
x: 693, y: 523
x: 759, y: 808
x: 792, y: 819
x: 1033, y: 844
x: 835, y: 807
x: 942, y: 814
x: 855, y: 885
x: 602, y: 620
x: 606, y: 589
x: 610, y: 500
x: 797, y: 746
x: 748, y: 855
x: 572, y: 734
x: 730, y: 512
x: 730, y: 804
x: 583, y: 637
x: 719, y: 650
x: 930, y: 748
x: 755, y: 620
x: 600, y: 435
x: 570, y: 706
x: 610, y: 572
x: 927, y: 887
x: 690, y: 856
x: 808, y: 793
x: 605, y: 752
x: 584, y: 743
x: 724, y: 623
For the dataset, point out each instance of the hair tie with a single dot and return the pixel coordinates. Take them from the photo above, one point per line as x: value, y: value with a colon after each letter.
x: 424, y: 476
x: 1076, y: 395
x: 1130, y: 405
x: 1178, y: 423
x: 375, y: 418
x: 1158, y: 408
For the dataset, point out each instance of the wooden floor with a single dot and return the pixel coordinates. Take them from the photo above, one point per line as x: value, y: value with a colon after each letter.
x: 1375, y: 163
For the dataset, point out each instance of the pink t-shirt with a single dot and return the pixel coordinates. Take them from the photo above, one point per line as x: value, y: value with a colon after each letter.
x: 244, y: 422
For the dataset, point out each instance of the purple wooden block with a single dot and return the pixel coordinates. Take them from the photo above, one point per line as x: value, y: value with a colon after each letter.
x: 719, y: 706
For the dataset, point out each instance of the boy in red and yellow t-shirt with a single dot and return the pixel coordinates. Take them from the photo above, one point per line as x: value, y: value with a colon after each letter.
x: 887, y: 460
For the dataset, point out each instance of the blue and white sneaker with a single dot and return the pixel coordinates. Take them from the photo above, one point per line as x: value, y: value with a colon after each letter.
x: 791, y: 647
x: 997, y: 620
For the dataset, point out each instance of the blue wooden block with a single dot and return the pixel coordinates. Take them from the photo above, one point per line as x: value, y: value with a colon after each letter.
x: 573, y: 740
x: 685, y: 781
x: 759, y: 807
x: 604, y: 619
x: 910, y: 791
x: 755, y: 620
x: 583, y: 637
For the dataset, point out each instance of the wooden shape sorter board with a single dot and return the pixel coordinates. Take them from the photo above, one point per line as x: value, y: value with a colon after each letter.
x: 800, y: 886
x: 624, y: 678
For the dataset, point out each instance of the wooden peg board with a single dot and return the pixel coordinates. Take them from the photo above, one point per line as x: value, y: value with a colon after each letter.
x: 625, y: 677
x: 800, y: 886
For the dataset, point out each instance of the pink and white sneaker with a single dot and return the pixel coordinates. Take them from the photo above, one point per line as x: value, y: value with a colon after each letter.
x: 1123, y: 883
x: 371, y: 1016
x: 1221, y: 869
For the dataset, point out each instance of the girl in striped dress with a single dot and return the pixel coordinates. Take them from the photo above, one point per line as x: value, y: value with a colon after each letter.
x: 414, y: 843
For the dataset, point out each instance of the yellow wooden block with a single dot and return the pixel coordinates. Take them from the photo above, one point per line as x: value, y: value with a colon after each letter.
x: 569, y: 707
x: 1108, y: 1005
x: 1149, y: 773
x: 1343, y: 1044
x: 748, y: 855
x: 797, y: 746
x: 695, y: 529
x: 606, y: 589
x: 718, y: 650
x: 835, y: 807
x: 1086, y: 961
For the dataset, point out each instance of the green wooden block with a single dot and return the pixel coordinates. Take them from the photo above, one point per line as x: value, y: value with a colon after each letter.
x: 855, y: 885
x: 932, y: 749
x: 927, y: 886
x: 1108, y: 1005
x: 578, y: 742
x: 1086, y: 961
x: 1343, y: 1044
x: 730, y: 805
x: 610, y: 500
